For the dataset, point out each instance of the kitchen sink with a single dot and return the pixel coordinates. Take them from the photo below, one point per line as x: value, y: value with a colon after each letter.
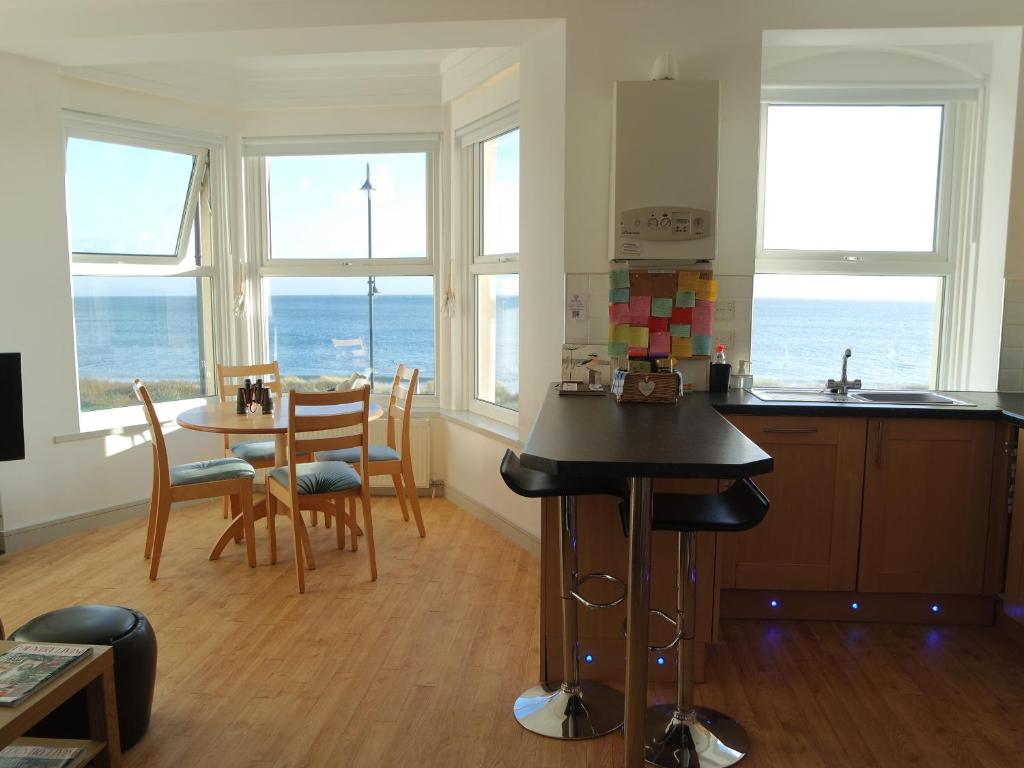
x: 896, y: 397
x: 797, y: 395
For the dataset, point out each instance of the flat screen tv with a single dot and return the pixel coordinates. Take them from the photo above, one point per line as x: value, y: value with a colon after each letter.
x: 12, y: 419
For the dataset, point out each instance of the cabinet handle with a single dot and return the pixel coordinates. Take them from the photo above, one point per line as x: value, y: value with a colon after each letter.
x: 792, y: 430
x: 878, y: 446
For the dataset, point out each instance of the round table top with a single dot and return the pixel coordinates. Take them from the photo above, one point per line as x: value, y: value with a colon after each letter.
x: 222, y: 419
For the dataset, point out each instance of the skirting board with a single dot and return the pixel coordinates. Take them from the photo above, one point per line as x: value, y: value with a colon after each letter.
x: 511, y: 531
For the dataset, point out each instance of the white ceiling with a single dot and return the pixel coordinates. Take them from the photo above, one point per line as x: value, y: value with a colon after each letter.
x: 259, y: 54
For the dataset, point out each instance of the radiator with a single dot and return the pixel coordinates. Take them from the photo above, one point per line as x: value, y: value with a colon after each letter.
x: 419, y: 443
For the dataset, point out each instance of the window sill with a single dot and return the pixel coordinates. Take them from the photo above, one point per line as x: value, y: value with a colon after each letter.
x: 126, y: 421
x: 484, y: 426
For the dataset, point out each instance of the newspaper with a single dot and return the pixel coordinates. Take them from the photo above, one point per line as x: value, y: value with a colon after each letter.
x: 26, y: 667
x: 38, y: 757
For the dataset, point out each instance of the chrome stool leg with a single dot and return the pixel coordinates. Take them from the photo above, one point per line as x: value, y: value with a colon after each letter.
x: 683, y: 735
x: 573, y: 709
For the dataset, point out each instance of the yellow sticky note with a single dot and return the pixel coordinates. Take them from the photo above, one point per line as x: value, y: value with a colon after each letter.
x: 707, y: 290
x: 688, y: 281
x: 638, y: 336
x: 682, y: 347
x: 618, y: 333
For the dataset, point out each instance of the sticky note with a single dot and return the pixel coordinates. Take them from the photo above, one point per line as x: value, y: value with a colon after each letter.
x: 661, y: 307
x: 661, y: 344
x: 707, y: 290
x: 685, y: 298
x: 637, y: 335
x: 701, y: 345
x: 688, y: 281
x: 637, y: 351
x: 682, y: 347
x: 679, y: 330
x: 657, y: 324
x: 641, y: 283
x: 682, y: 316
x: 618, y: 313
x: 639, y: 366
x: 618, y: 295
x: 663, y: 284
x: 618, y: 333
x: 702, y: 313
x: 617, y: 348
x: 619, y: 278
x: 639, y: 308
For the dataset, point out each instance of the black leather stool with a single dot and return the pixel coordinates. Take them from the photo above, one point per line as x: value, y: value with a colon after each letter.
x: 572, y: 709
x: 134, y: 644
x: 683, y: 735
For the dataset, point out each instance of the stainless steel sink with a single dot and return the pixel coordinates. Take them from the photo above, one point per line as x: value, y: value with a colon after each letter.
x: 797, y: 395
x: 896, y: 397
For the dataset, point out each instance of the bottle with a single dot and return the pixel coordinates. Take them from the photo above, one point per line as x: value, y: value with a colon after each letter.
x: 718, y: 377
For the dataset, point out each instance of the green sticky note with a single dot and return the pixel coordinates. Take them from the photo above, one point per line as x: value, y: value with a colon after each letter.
x: 686, y: 299
x: 701, y: 345
x: 661, y: 308
x: 619, y: 333
x: 679, y: 330
x: 639, y: 336
x: 617, y: 348
x: 618, y: 295
x: 619, y: 278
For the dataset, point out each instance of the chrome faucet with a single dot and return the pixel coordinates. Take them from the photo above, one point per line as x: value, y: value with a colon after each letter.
x: 844, y: 385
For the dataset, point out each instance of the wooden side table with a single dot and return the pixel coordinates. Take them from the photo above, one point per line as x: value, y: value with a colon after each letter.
x: 96, y: 675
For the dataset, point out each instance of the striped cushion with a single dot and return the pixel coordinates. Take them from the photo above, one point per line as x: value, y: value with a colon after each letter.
x: 352, y: 455
x: 320, y: 477
x: 210, y: 471
x: 258, y: 450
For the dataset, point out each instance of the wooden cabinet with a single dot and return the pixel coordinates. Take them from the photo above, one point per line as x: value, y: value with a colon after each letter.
x: 808, y: 541
x: 1013, y: 592
x: 926, y: 505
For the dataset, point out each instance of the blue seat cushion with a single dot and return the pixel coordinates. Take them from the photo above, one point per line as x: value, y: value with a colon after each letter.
x: 258, y: 450
x: 320, y: 477
x: 351, y: 455
x: 210, y: 471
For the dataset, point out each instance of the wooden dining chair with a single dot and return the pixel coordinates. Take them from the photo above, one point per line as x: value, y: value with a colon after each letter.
x: 323, y: 485
x: 228, y: 477
x: 386, y: 459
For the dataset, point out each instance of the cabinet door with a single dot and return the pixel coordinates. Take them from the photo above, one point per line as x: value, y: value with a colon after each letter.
x: 926, y: 505
x: 808, y: 540
x: 1013, y: 594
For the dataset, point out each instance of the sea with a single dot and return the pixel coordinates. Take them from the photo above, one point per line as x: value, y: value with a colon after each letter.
x: 120, y: 338
x: 795, y: 341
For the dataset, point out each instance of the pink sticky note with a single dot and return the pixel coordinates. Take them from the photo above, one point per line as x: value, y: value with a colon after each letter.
x: 702, y: 312
x: 661, y: 344
x: 618, y: 314
x: 639, y: 309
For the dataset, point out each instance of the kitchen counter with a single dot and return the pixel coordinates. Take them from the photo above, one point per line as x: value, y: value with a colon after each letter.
x: 1007, y: 406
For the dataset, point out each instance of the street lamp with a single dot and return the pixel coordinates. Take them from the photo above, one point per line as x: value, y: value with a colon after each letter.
x: 371, y: 284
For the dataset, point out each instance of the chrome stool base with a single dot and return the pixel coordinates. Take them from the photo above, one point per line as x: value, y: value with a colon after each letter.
x: 712, y: 740
x: 547, y: 710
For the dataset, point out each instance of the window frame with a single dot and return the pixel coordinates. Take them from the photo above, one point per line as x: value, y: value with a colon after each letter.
x: 951, y: 257
x: 262, y: 265
x: 470, y: 140
x: 206, y: 201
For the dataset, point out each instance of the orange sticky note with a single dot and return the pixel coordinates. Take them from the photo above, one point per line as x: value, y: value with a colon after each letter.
x: 682, y: 347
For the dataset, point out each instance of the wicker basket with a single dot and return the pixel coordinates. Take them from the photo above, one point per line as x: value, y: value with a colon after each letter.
x: 646, y: 387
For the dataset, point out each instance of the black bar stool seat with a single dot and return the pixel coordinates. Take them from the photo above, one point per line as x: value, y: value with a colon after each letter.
x: 571, y: 709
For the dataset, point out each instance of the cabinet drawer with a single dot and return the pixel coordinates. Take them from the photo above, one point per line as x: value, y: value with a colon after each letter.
x: 802, y: 430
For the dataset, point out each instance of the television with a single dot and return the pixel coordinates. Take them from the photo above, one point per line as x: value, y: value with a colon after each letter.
x: 12, y: 418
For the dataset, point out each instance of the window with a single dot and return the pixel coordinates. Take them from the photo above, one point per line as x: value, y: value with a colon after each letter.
x: 343, y: 230
x: 853, y: 243
x: 142, y: 270
x: 491, y: 172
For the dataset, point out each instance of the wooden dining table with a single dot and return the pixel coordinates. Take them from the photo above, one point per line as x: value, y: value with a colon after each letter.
x: 222, y: 419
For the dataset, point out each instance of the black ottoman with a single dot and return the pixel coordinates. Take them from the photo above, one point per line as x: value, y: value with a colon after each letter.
x: 134, y: 643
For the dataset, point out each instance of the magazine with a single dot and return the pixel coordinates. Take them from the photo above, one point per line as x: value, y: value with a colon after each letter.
x: 38, y: 757
x: 26, y: 667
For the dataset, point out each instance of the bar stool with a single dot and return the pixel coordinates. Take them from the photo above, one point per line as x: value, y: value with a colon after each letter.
x: 572, y: 709
x: 683, y: 735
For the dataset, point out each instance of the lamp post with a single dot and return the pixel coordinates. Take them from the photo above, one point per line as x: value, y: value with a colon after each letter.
x: 371, y: 284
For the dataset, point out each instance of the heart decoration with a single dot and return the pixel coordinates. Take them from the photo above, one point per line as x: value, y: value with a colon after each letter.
x: 646, y: 387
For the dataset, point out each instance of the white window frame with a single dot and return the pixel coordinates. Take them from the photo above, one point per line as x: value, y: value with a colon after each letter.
x: 951, y: 257
x: 470, y: 140
x: 206, y: 198
x: 255, y: 151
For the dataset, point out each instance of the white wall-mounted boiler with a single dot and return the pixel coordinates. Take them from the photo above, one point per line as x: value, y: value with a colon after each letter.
x: 665, y: 172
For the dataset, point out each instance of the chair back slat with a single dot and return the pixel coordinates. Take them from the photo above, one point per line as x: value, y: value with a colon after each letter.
x: 269, y: 372
x: 355, y: 422
x: 400, y: 406
x: 161, y: 466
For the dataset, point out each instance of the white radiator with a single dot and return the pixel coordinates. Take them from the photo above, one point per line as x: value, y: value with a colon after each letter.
x: 419, y: 440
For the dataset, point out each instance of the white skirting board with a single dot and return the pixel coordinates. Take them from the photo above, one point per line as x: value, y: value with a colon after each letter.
x: 511, y: 531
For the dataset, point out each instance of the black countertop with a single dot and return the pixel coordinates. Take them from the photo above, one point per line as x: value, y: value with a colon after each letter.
x: 591, y: 436
x: 987, y: 405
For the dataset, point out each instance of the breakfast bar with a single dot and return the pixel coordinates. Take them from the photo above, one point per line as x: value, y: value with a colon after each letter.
x: 598, y: 438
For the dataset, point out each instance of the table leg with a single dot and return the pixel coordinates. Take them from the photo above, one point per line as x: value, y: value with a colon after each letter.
x: 638, y: 598
x: 101, y: 701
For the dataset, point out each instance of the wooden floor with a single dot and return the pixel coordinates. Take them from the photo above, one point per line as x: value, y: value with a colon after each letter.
x: 421, y: 667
